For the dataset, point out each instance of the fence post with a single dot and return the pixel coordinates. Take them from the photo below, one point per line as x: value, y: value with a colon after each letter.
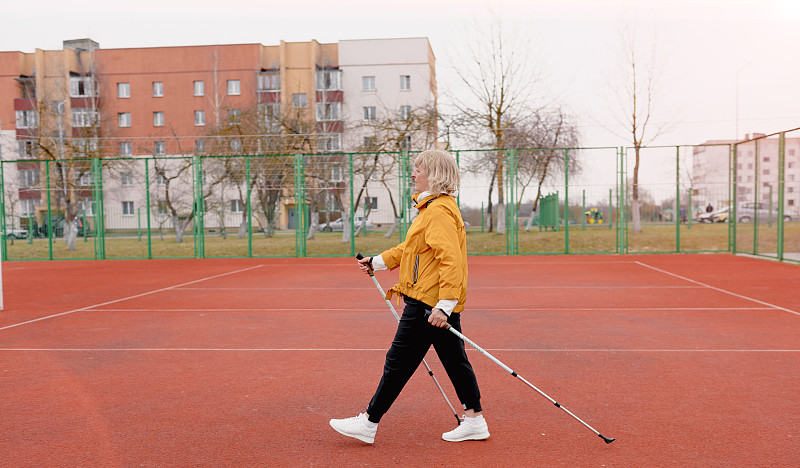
x: 4, y: 254
x: 147, y: 197
x: 248, y: 190
x: 300, y: 206
x: 49, y: 211
x: 733, y: 197
x: 756, y: 194
x: 199, y: 229
x: 99, y: 212
x: 678, y: 217
x: 566, y: 201
x: 781, y: 188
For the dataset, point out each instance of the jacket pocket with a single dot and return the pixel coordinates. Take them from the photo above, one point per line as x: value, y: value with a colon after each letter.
x: 416, y: 269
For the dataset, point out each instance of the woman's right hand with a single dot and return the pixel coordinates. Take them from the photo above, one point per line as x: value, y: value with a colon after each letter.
x: 365, y: 264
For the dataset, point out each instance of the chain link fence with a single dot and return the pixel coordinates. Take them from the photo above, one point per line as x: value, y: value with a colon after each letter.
x: 719, y: 197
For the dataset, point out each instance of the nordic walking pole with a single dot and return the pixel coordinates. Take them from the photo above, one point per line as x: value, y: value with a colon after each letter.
x: 394, y: 312
x: 510, y: 371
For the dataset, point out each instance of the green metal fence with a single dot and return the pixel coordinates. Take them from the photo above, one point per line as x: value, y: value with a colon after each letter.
x: 726, y: 197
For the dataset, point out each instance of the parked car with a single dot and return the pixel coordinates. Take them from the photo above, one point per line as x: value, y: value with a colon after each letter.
x: 16, y: 233
x: 716, y: 216
x: 338, y: 224
x: 746, y: 213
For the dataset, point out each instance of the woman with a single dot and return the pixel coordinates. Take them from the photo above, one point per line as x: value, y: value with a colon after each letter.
x: 433, y: 277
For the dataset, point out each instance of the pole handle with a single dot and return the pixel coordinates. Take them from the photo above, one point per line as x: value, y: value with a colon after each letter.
x: 371, y: 272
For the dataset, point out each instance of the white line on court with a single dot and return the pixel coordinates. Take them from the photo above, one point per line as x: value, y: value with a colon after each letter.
x: 126, y: 298
x: 472, y: 288
x: 719, y: 289
x: 524, y: 350
x: 477, y: 309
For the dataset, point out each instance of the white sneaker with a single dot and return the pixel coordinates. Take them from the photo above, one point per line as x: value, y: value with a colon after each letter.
x: 356, y: 427
x: 469, y: 429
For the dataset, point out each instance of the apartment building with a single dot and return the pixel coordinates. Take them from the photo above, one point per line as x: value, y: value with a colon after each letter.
x: 757, y: 172
x: 85, y: 101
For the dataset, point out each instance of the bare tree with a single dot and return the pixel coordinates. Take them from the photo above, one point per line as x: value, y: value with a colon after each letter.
x: 636, y: 95
x: 500, y: 87
x: 55, y: 116
x: 393, y: 131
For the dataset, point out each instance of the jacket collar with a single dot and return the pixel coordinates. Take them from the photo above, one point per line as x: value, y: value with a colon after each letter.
x: 423, y: 198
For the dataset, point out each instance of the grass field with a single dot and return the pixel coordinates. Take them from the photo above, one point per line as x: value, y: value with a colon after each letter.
x: 592, y: 239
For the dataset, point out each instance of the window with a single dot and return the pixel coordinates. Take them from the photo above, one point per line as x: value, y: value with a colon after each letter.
x: 158, y: 119
x: 271, y: 114
x: 127, y: 208
x: 299, y: 100
x: 329, y: 111
x: 791, y: 152
x: 766, y: 158
x: 27, y: 119
x: 269, y: 81
x: 236, y: 145
x: 159, y: 148
x: 161, y: 207
x: 329, y: 80
x: 749, y: 165
x: 85, y: 179
x: 368, y: 83
x: 158, y: 89
x: 237, y: 206
x: 199, y: 146
x: 405, y: 82
x: 124, y: 119
x: 330, y: 142
x: 127, y: 179
x: 369, y: 113
x: 123, y: 90
x: 234, y: 88
x: 199, y: 118
x: 405, y: 143
x: 371, y: 202
x: 405, y: 112
x: 27, y: 149
x: 27, y: 87
x: 27, y: 207
x: 86, y: 146
x: 125, y: 148
x: 766, y: 171
x: 791, y: 163
x: 234, y: 116
x: 82, y: 86
x: 161, y: 179
x: 86, y: 206
x: 369, y: 143
x: 83, y: 117
x: 199, y: 88
x: 336, y: 172
x: 28, y: 178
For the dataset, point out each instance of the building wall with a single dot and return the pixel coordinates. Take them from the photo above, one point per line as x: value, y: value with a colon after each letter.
x: 710, y: 169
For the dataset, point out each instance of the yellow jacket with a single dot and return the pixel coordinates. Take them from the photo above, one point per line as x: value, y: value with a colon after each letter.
x: 433, y: 258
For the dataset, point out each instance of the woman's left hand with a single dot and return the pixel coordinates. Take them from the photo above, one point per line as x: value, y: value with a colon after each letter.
x: 438, y: 318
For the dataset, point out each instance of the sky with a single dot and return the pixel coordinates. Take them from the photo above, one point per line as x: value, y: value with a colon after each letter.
x: 726, y: 65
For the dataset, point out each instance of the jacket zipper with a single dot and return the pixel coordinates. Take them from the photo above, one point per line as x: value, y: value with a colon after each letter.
x: 416, y: 268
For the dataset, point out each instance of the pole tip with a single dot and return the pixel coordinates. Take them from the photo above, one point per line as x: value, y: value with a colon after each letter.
x: 608, y: 441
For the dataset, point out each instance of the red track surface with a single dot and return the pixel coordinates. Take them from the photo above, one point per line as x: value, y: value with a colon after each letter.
x: 688, y: 360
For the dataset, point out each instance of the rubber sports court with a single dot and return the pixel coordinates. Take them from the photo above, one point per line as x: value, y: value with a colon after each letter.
x: 687, y: 360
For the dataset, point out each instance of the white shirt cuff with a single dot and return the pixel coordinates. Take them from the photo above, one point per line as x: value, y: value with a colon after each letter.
x: 447, y: 305
x: 378, y: 264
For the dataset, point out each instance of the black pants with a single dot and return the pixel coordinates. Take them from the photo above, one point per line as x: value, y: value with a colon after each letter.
x: 411, y: 342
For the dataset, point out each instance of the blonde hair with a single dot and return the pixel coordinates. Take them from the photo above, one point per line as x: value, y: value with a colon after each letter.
x: 442, y: 170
